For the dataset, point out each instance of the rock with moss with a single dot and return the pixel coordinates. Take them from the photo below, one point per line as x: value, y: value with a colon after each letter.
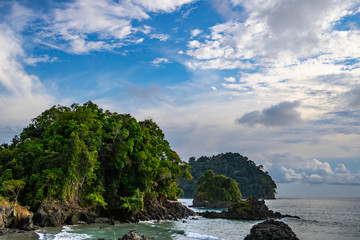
x: 216, y: 191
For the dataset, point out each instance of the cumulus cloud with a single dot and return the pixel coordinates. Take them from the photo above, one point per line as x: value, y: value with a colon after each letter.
x: 293, y: 48
x: 22, y: 95
x: 157, y: 61
x: 83, y: 26
x: 195, y: 32
x: 282, y: 114
x: 162, y: 5
x: 288, y: 168
x: 280, y: 32
x: 230, y: 79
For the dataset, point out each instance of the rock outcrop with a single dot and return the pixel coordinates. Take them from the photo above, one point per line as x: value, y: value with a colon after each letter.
x: 54, y: 214
x: 213, y: 204
x: 270, y: 230
x: 251, y: 209
x: 133, y: 235
x: 163, y: 209
x: 16, y: 217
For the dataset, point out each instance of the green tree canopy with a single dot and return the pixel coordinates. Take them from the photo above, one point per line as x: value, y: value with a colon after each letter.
x: 214, y: 187
x: 84, y: 156
x: 252, y: 180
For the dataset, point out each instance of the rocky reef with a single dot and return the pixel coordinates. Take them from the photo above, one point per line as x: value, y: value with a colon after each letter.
x: 270, y: 230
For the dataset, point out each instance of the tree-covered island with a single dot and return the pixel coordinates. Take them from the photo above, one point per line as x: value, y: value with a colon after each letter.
x: 216, y: 191
x: 252, y: 180
x: 81, y: 162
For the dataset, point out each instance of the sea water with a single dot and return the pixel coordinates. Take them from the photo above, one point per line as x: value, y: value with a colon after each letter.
x: 321, y: 219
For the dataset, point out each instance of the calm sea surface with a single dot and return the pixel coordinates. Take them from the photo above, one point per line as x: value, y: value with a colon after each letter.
x: 321, y: 219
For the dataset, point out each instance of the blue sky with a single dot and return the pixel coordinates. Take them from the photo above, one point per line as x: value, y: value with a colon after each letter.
x: 277, y: 81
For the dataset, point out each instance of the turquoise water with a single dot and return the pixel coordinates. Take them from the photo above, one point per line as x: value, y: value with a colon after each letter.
x: 328, y: 219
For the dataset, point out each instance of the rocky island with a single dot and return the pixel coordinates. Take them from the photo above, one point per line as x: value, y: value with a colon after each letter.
x: 81, y: 163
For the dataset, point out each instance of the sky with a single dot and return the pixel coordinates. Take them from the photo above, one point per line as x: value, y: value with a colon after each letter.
x: 277, y: 81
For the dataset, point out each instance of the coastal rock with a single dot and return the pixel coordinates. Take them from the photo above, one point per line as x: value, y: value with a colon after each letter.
x: 16, y: 217
x: 213, y: 204
x: 7, y: 215
x: 270, y: 230
x: 162, y: 209
x: 251, y: 209
x: 26, y: 223
x: 49, y: 215
x: 133, y: 235
x: 54, y: 214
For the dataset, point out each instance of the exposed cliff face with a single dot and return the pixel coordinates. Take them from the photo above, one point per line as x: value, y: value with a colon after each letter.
x: 16, y: 217
x: 162, y: 209
x: 271, y: 229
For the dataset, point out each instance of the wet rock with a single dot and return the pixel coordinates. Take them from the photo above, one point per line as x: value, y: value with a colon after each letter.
x: 251, y: 209
x: 271, y: 230
x: 133, y: 235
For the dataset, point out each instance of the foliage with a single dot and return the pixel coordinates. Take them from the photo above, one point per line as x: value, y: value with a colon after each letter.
x: 12, y: 188
x: 252, y: 180
x: 84, y: 156
x: 240, y: 206
x: 214, y: 187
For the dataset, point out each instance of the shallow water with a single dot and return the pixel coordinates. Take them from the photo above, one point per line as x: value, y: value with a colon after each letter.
x: 329, y: 219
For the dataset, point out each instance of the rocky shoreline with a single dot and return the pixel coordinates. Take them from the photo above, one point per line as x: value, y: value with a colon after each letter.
x: 17, y: 219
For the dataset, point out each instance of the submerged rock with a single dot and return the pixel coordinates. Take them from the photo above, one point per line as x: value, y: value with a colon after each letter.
x: 271, y: 230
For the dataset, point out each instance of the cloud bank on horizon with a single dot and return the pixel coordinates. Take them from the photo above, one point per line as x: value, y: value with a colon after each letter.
x: 277, y: 81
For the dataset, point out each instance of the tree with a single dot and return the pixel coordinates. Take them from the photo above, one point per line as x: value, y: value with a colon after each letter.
x: 12, y: 188
x: 214, y: 187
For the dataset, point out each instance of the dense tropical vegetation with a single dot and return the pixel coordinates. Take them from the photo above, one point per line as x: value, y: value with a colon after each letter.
x: 214, y: 187
x: 252, y: 180
x: 83, y: 156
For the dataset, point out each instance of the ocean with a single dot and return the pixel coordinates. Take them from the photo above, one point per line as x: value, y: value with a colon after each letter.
x: 321, y: 219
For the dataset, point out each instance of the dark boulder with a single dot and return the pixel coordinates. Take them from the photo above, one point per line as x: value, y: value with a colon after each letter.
x: 271, y: 230
x: 211, y: 204
x: 157, y: 209
x: 251, y: 209
x: 55, y: 214
x: 133, y: 235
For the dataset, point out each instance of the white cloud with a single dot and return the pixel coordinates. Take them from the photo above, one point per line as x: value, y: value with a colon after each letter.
x: 213, y: 88
x: 22, y: 96
x: 83, y: 26
x: 157, y: 61
x: 195, y: 32
x: 287, y: 168
x: 230, y: 79
x: 162, y: 5
x: 161, y: 37
x: 41, y: 59
x: 282, y: 114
